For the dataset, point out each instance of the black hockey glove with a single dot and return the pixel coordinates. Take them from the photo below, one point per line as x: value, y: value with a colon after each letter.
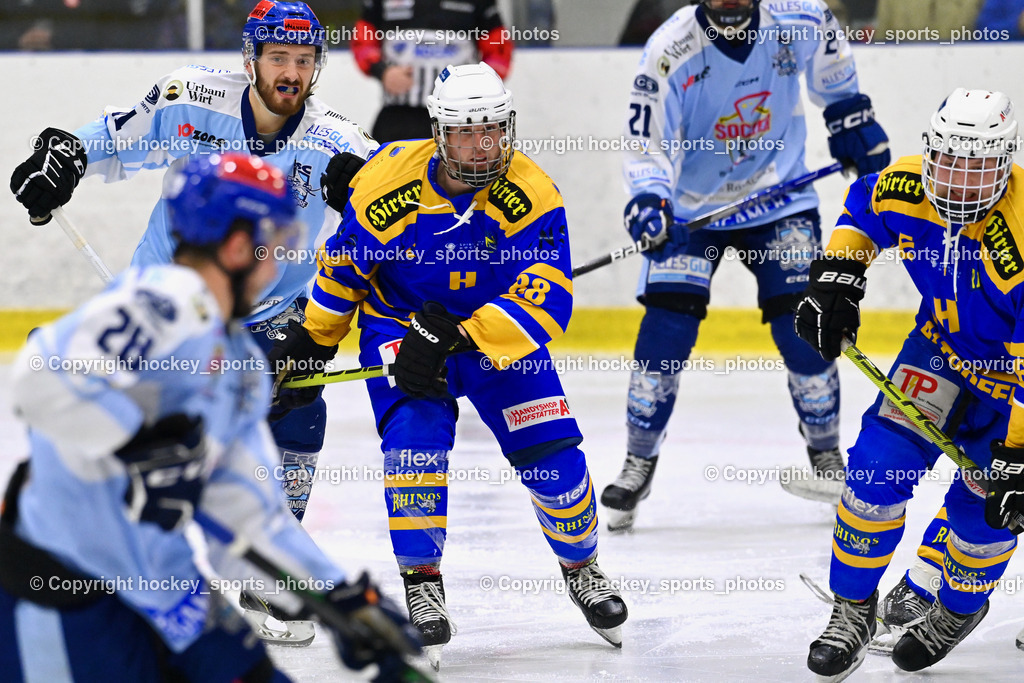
x: 334, y: 181
x: 855, y: 138
x: 371, y: 629
x: 295, y: 353
x: 433, y: 335
x: 165, y: 464
x: 47, y: 179
x: 1006, y: 486
x: 829, y: 308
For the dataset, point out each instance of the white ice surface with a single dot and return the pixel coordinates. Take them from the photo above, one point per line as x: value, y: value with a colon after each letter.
x: 690, y: 529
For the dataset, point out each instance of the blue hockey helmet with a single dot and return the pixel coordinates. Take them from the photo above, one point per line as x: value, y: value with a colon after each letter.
x: 286, y: 23
x: 213, y: 191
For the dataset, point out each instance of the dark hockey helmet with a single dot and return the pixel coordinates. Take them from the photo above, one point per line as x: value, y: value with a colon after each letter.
x: 213, y: 192
x: 729, y: 13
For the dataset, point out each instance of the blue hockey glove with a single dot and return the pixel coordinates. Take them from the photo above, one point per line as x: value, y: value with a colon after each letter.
x: 829, y: 308
x: 372, y: 629
x: 649, y: 217
x: 856, y: 139
x: 165, y: 464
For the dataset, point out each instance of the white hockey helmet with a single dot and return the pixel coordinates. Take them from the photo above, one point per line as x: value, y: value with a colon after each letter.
x: 472, y: 96
x: 968, y: 154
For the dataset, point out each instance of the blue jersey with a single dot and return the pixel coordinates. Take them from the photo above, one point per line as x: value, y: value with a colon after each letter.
x: 199, y: 110
x: 81, y: 405
x: 710, y: 122
x: 971, y: 278
x: 498, y: 257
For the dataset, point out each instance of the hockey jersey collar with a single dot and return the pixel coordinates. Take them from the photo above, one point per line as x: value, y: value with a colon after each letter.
x: 736, y: 52
x: 252, y: 138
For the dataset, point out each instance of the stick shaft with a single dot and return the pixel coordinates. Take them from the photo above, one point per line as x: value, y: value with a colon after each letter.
x: 83, y: 246
x: 968, y: 468
x: 319, y: 378
x: 767, y: 194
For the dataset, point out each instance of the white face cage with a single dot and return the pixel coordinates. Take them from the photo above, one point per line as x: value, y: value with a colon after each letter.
x: 961, y: 187
x: 476, y: 154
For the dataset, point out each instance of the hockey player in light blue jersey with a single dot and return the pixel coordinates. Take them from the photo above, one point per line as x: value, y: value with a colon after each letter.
x: 715, y: 112
x: 144, y: 405
x: 268, y: 111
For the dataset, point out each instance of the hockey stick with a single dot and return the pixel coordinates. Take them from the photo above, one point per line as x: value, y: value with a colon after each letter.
x: 971, y: 473
x: 759, y: 197
x: 83, y: 247
x: 317, y: 378
x: 393, y: 669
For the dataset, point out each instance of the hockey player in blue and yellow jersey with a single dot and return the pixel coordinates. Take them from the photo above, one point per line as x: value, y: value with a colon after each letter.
x: 455, y: 252
x: 715, y: 114
x: 954, y: 217
x: 269, y: 111
x: 97, y: 579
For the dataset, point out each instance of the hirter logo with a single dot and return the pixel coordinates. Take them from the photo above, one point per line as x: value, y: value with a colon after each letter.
x: 536, y: 412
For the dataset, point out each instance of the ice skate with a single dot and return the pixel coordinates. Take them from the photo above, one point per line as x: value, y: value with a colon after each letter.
x: 272, y: 625
x: 841, y: 648
x: 601, y: 604
x: 623, y: 495
x: 933, y: 637
x: 424, y: 597
x: 824, y: 482
x: 901, y: 608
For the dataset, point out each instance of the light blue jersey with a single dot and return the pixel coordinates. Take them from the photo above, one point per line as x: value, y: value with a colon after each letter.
x: 710, y: 122
x: 199, y: 110
x: 82, y: 399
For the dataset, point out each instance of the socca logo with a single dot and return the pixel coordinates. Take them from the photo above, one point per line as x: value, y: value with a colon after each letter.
x: 385, y: 211
x: 173, y: 91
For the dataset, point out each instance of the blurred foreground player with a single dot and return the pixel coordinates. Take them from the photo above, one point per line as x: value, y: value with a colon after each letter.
x: 121, y: 456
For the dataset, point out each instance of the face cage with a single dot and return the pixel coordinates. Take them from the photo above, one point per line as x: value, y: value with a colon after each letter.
x: 728, y: 18
x: 986, y: 184
x: 249, y: 57
x: 467, y: 175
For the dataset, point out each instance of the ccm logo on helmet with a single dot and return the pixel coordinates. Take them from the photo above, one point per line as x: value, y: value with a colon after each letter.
x: 843, y: 279
x: 851, y: 120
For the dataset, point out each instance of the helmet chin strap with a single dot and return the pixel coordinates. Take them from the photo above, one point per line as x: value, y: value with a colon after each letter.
x: 240, y: 308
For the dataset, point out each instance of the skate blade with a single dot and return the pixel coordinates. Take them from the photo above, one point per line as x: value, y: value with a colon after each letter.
x: 802, y: 484
x: 886, y: 637
x: 613, y: 635
x: 433, y: 653
x: 621, y: 521
x: 282, y: 633
x: 857, y: 661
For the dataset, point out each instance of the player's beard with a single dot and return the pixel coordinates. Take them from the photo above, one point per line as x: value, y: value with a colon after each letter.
x: 268, y: 92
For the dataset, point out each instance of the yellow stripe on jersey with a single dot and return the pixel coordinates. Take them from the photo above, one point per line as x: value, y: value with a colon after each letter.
x: 858, y: 560
x: 867, y: 525
x: 325, y: 327
x: 569, y: 512
x: 849, y: 243
x: 418, y: 522
x: 499, y: 336
x: 570, y: 538
x: 542, y: 317
x: 416, y: 479
x: 551, y: 274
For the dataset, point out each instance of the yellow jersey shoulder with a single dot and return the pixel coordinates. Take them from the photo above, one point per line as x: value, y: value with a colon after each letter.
x: 522, y: 195
x: 1002, y: 235
x: 900, y: 188
x: 388, y: 188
